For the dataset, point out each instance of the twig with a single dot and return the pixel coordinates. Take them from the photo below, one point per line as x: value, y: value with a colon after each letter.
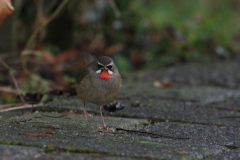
x: 19, y: 107
x: 115, y: 8
x: 8, y: 90
x: 54, y: 116
x: 53, y: 126
x: 116, y: 132
x: 5, y: 121
x: 13, y: 78
x: 50, y: 6
x: 4, y: 106
x: 41, y: 27
x: 18, y: 122
x: 35, y: 135
x: 153, y: 135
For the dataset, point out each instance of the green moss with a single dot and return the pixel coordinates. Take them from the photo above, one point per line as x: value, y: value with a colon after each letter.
x: 14, y: 143
x: 69, y: 149
x: 49, y: 149
x: 67, y: 118
x: 82, y: 150
x: 5, y: 142
x: 162, y: 144
x: 68, y: 135
x: 111, y: 154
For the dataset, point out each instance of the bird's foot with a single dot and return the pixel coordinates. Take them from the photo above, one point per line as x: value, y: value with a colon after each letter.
x: 86, y: 114
x: 103, y: 126
x: 28, y: 112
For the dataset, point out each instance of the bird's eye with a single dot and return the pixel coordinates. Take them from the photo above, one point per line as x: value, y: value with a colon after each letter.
x: 99, y: 66
x: 109, y: 67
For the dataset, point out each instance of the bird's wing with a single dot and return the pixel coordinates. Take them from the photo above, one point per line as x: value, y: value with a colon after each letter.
x: 84, y: 73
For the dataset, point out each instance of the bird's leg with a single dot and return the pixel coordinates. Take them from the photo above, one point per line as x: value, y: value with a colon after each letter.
x: 103, y: 123
x: 31, y: 109
x: 85, y: 113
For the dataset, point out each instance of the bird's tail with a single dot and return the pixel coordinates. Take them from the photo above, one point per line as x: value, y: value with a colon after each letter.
x: 87, y: 58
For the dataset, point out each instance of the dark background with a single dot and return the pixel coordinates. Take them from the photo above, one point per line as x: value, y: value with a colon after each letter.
x: 137, y: 34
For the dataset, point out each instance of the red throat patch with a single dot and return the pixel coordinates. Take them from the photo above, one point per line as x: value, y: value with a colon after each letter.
x: 104, y: 75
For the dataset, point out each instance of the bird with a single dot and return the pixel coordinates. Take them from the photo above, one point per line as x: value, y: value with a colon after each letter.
x: 99, y: 82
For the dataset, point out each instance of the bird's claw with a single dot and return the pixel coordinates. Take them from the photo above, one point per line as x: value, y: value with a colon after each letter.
x: 105, y: 127
x: 86, y: 114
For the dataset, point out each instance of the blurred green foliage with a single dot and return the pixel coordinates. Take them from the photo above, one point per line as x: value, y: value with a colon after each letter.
x: 162, y: 32
x: 186, y: 30
x: 204, y: 24
x: 6, y: 99
x: 135, y: 33
x: 196, y: 19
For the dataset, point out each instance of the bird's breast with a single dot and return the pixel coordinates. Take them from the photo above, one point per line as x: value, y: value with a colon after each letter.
x: 99, y: 91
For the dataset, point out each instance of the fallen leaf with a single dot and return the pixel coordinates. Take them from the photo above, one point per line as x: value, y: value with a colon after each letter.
x: 123, y: 98
x: 181, y: 152
x: 136, y: 104
x: 70, y: 112
x: 54, y: 126
x: 34, y: 135
x: 6, y: 155
x: 137, y: 58
x: 5, y: 121
x: 6, y: 9
x: 156, y: 83
x: 112, y: 49
x: 167, y: 84
x: 48, y: 132
x: 156, y: 38
x: 229, y: 103
x: 71, y: 56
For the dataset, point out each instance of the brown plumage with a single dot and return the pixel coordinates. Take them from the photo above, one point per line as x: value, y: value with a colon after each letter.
x: 99, y: 83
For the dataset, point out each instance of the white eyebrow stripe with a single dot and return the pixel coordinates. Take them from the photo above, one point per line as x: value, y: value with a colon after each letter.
x: 100, y: 63
x: 110, y: 64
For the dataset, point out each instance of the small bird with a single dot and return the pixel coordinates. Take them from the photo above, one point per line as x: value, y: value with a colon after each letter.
x: 99, y: 82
